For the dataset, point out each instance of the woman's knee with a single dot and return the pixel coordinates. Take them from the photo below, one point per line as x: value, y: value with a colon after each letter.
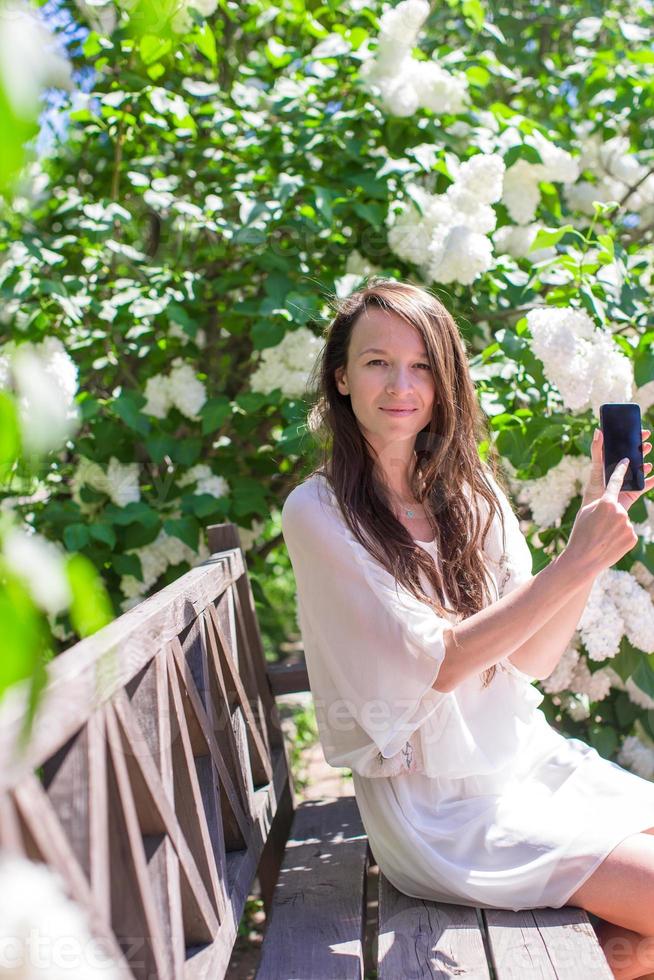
x: 621, y: 889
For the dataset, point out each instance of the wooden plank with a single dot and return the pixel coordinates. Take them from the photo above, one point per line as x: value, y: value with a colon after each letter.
x: 211, y: 962
x: 428, y: 939
x: 259, y: 757
x: 545, y: 943
x: 288, y: 678
x: 317, y: 925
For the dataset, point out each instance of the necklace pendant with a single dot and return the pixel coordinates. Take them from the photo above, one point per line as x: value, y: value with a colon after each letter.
x: 410, y: 513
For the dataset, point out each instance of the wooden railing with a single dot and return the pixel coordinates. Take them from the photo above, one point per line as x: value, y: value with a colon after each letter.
x: 155, y: 771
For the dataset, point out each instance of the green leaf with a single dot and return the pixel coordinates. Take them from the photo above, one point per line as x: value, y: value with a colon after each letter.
x: 214, y: 413
x: 137, y: 512
x: 76, y: 536
x: 104, y: 533
x: 474, y: 12
x: 127, y: 565
x: 607, y: 244
x: 522, y: 151
x: 126, y: 407
x: 187, y: 529
x: 644, y: 367
x: 153, y: 48
x: 10, y: 439
x: 206, y: 42
x: 546, y: 237
x: 91, y: 607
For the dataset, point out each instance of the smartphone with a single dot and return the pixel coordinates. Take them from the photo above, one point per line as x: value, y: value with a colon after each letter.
x: 621, y: 424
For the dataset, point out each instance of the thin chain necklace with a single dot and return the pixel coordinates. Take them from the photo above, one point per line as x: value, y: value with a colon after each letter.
x: 410, y: 513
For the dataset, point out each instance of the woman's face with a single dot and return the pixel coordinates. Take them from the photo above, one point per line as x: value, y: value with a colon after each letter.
x: 400, y: 377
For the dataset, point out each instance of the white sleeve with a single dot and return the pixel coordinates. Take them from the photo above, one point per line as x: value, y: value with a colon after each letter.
x: 373, y: 651
x: 511, y: 563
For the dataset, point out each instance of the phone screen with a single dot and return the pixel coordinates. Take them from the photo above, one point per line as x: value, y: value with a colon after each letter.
x: 621, y: 425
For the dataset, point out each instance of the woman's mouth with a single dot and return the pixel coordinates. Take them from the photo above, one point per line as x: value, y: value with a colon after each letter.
x: 399, y: 411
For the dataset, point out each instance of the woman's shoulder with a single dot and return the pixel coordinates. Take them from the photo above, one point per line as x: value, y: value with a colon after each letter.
x: 307, y: 499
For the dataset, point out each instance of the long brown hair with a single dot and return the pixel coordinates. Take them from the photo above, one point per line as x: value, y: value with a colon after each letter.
x: 446, y: 455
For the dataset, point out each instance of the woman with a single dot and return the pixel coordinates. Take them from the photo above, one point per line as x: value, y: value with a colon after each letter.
x: 423, y: 628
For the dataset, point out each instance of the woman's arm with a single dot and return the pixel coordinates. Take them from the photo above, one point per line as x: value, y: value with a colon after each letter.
x: 500, y: 629
x: 542, y: 652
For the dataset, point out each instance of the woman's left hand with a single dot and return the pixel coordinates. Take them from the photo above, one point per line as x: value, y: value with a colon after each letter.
x: 595, y: 486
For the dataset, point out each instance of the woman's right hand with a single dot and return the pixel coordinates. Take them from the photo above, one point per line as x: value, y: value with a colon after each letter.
x: 602, y: 532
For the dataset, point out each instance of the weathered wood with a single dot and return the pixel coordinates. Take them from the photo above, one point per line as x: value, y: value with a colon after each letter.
x: 316, y: 929
x: 148, y: 734
x: 427, y: 939
x: 288, y: 678
x: 560, y: 944
x: 87, y: 675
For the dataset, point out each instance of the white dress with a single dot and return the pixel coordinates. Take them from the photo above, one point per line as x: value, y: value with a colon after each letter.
x: 468, y: 796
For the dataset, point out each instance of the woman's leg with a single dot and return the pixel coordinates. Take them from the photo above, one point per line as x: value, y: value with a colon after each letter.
x: 621, y: 892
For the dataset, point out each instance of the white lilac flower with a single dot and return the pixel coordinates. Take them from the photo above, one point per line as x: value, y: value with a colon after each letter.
x: 516, y: 240
x: 462, y: 257
x: 596, y: 685
x: 644, y: 396
x: 43, y: 933
x: 187, y: 392
x: 583, y: 362
x: 90, y: 474
x: 29, y: 63
x: 288, y: 365
x: 617, y: 606
x: 155, y: 558
x: 521, y: 193
x: 637, y: 696
x: 45, y: 380
x: 646, y: 527
x: 404, y: 83
x: 448, y: 239
x: 549, y: 495
x: 41, y: 566
x: 637, y: 756
x: 577, y: 706
x: 206, y: 481
x: 122, y: 482
x: 157, y: 394
x: 249, y: 537
x: 561, y: 677
x: 119, y: 482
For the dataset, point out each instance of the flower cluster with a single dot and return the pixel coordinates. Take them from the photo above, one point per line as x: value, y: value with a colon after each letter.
x: 43, y: 933
x: 29, y: 61
x: 521, y: 193
x: 181, y: 388
x: 516, y: 241
x: 617, y: 606
x: 548, y: 496
x: 205, y: 481
x: 448, y: 240
x: 41, y: 565
x: 404, y: 83
x: 44, y: 378
x: 638, y: 756
x: 120, y: 482
x: 618, y: 174
x: 582, y: 361
x: 155, y: 558
x: 288, y: 365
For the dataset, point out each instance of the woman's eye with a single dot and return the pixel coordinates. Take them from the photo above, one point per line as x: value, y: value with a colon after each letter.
x: 379, y: 361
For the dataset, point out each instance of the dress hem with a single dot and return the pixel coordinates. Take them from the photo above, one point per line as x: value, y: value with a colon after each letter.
x: 587, y: 874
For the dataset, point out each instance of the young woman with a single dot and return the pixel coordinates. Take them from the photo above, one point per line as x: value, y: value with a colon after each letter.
x: 424, y: 627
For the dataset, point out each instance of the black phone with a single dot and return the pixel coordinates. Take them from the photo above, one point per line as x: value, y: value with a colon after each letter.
x: 621, y: 424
